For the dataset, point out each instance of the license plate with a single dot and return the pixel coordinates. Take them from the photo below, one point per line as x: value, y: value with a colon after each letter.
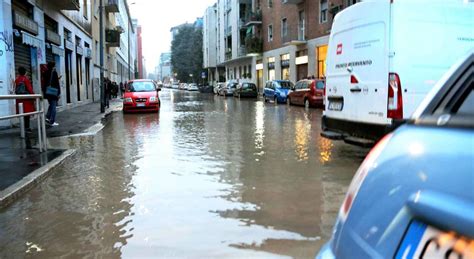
x: 335, y: 105
x: 140, y: 105
x: 424, y: 241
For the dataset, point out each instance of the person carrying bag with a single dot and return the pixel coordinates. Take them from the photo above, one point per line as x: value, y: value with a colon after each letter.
x: 52, y: 92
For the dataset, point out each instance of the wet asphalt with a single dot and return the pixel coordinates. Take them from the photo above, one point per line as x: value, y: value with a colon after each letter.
x: 207, y: 177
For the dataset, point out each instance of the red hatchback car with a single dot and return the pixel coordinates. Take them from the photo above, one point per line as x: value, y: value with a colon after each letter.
x: 141, y: 95
x: 308, y: 92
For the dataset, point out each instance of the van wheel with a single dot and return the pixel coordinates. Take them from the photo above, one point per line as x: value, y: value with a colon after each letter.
x: 306, y: 104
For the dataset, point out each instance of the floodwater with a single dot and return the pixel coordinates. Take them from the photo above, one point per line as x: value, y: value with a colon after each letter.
x: 207, y: 177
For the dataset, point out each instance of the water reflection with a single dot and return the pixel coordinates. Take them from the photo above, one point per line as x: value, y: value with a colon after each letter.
x: 206, y: 177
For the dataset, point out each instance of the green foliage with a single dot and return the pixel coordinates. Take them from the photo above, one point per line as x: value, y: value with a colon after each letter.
x: 186, y: 53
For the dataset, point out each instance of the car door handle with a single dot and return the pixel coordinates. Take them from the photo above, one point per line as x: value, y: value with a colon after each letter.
x: 356, y: 90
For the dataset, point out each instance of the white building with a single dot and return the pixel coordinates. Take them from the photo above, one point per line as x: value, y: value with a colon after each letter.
x: 228, y: 25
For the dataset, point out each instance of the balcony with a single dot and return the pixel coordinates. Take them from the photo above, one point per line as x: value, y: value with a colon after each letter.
x: 228, y: 31
x: 53, y: 37
x: 228, y: 55
x: 25, y: 23
x: 294, y: 36
x: 253, y: 45
x: 254, y: 18
x: 70, y: 5
x: 112, y: 6
x: 292, y: 1
x: 112, y: 37
x: 242, y: 51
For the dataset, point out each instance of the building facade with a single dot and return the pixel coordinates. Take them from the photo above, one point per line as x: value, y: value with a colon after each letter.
x: 34, y: 32
x: 164, y: 70
x: 261, y: 40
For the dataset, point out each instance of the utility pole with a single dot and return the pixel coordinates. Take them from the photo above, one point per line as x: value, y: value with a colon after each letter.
x: 101, y: 81
x: 129, y: 46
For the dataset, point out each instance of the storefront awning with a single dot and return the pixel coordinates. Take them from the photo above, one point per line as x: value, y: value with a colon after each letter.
x: 31, y: 40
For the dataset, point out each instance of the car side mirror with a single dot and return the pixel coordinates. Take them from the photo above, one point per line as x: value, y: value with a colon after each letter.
x: 158, y: 89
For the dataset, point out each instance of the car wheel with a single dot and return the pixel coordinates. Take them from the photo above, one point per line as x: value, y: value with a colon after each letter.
x: 306, y: 104
x: 264, y: 98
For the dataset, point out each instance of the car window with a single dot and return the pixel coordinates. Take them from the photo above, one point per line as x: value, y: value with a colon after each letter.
x: 141, y: 87
x: 319, y: 84
x: 297, y: 86
x: 285, y: 84
x: 467, y: 105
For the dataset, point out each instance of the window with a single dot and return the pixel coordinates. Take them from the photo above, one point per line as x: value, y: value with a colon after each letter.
x: 301, y: 24
x: 323, y: 14
x: 351, y: 2
x: 84, y: 8
x: 270, y: 3
x: 284, y: 28
x: 270, y: 33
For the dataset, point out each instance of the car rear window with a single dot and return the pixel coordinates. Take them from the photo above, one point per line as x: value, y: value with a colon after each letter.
x: 320, y: 84
x: 141, y: 87
x: 249, y: 86
x: 285, y: 84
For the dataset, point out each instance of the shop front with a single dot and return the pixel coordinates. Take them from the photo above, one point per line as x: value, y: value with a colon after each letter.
x: 271, y: 68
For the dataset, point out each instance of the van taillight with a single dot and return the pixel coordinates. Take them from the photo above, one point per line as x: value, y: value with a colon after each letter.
x: 395, y: 101
x: 354, y: 80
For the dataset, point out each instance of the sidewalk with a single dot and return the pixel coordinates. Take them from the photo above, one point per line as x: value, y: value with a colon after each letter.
x: 22, y: 166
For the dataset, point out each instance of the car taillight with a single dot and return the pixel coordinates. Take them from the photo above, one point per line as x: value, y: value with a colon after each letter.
x: 395, y: 101
x: 354, y: 80
x: 361, y: 174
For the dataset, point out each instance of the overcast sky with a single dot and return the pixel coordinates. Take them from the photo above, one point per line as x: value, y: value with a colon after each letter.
x: 157, y: 17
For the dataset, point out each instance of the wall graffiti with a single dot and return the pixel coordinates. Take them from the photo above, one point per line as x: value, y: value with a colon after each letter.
x: 7, y: 39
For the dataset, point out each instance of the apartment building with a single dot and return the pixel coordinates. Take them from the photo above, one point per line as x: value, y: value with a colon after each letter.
x: 295, y: 37
x: 34, y: 32
x: 260, y: 40
x: 120, y: 43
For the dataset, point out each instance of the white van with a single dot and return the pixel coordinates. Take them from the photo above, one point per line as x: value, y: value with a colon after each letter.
x: 383, y: 58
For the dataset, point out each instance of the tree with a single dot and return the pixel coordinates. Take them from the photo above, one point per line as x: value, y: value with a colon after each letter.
x: 186, y: 53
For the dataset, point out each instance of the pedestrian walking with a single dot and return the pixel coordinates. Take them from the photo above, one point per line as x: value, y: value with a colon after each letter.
x: 52, y: 92
x: 107, y: 91
x: 23, y: 86
x: 122, y: 89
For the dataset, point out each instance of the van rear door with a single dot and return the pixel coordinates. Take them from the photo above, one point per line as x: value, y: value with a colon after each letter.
x: 358, y: 64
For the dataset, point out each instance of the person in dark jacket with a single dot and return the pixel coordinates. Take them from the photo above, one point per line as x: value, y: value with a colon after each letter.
x: 52, y: 80
x: 22, y: 82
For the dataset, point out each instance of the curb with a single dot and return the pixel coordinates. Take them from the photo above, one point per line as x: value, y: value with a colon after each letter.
x: 15, y: 191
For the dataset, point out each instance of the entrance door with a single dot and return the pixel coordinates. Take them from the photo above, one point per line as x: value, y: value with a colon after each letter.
x: 88, y: 77
x: 302, y: 71
x: 79, y: 76
x: 260, y: 80
x: 68, y: 66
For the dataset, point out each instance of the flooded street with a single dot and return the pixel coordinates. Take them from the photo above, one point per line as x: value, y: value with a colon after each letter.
x: 207, y: 177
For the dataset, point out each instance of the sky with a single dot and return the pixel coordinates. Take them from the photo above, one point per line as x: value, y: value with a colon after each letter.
x: 157, y: 17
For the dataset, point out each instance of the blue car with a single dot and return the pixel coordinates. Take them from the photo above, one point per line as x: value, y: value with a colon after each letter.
x: 277, y: 91
x: 413, y: 196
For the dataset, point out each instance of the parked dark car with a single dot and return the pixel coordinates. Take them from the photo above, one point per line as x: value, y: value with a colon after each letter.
x: 246, y: 90
x: 308, y: 92
x: 277, y: 91
x: 413, y: 196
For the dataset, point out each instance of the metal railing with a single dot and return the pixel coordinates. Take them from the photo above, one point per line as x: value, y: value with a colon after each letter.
x: 42, y: 138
